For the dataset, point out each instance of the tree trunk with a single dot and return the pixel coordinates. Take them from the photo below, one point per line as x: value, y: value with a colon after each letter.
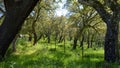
x: 75, y: 43
x: 56, y: 36
x: 70, y: 36
x: 88, y: 40
x: 64, y: 45
x: 111, y: 41
x: 91, y: 41
x: 34, y: 32
x: 33, y: 27
x: 30, y: 38
x: 111, y: 19
x: 82, y: 51
x: 60, y: 39
x: 48, y: 37
x: 82, y: 41
x: 16, y: 13
x: 35, y: 39
x: 14, y: 43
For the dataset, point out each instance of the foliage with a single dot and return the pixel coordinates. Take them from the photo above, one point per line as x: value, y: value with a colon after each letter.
x: 28, y: 56
x: 60, y: 31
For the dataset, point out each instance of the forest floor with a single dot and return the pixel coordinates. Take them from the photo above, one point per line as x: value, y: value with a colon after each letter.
x: 44, y: 55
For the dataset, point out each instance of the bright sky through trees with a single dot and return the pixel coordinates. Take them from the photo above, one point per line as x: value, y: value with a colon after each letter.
x: 61, y: 11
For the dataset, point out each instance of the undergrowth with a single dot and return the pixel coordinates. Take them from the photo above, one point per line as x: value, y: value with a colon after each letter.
x: 44, y: 55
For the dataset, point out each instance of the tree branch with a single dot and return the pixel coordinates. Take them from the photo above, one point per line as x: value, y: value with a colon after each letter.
x: 99, y: 8
x: 8, y: 3
x: 112, y: 4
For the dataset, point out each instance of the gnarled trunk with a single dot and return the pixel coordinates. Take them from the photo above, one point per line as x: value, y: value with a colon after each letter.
x: 111, y: 41
x: 16, y: 13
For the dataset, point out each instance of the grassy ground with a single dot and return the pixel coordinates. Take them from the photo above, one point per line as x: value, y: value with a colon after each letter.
x: 44, y: 55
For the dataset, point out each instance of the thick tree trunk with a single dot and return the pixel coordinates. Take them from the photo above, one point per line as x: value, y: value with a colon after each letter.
x: 111, y: 19
x: 111, y: 41
x: 16, y: 13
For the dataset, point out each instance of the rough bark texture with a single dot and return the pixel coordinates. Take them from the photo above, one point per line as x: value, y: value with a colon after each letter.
x: 111, y: 20
x: 16, y: 13
x: 111, y: 42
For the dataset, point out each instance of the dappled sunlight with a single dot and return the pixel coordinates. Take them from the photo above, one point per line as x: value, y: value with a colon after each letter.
x: 59, y: 34
x: 41, y: 56
x: 35, y: 56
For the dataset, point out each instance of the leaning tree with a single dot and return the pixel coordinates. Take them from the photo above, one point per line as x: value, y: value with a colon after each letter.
x: 109, y: 10
x: 16, y: 13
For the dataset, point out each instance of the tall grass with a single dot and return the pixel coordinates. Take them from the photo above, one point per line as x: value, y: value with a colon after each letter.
x: 43, y: 55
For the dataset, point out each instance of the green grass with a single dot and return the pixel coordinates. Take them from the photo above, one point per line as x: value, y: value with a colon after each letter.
x: 44, y: 55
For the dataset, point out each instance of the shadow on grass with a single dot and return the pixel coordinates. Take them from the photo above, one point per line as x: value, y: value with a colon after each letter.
x: 46, y: 58
x: 90, y: 64
x: 44, y: 62
x: 93, y: 56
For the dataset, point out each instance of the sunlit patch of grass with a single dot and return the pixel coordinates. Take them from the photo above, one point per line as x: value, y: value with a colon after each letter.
x: 44, y: 55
